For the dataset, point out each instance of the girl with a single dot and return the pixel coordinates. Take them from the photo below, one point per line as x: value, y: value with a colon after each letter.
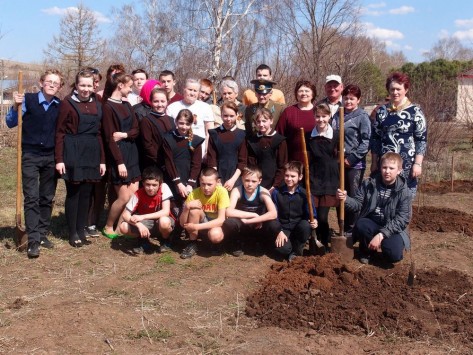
x: 268, y: 150
x: 183, y: 156
x: 322, y: 147
x: 120, y: 128
x: 153, y: 127
x: 80, y: 157
x: 227, y: 150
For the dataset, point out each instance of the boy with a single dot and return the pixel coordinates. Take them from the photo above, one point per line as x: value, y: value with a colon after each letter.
x: 384, y: 204
x: 206, y: 90
x: 204, y: 211
x: 251, y: 211
x: 168, y: 81
x: 293, y: 213
x: 149, y: 208
x: 40, y: 112
x: 139, y: 79
x: 263, y: 72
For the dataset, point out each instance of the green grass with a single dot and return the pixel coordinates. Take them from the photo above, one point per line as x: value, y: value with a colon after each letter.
x: 166, y: 259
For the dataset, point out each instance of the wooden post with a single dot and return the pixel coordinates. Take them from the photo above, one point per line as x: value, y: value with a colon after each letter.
x: 452, y: 171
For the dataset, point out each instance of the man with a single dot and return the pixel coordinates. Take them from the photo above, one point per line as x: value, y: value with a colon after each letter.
x: 139, y: 78
x: 263, y: 72
x: 333, y: 91
x: 168, y: 81
x: 264, y: 90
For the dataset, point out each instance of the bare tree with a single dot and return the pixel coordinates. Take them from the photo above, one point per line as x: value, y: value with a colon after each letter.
x: 449, y: 49
x: 78, y: 43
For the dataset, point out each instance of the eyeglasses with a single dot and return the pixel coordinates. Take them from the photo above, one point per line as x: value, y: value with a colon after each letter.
x: 52, y: 83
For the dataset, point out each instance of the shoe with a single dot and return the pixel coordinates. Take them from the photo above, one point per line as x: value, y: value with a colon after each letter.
x: 85, y: 241
x: 238, y: 251
x: 189, y: 251
x: 92, y: 231
x: 165, y: 247
x: 144, y: 247
x: 216, y: 249
x: 46, y: 243
x: 33, y: 249
x: 291, y: 257
x: 109, y: 235
x: 364, y: 259
x: 75, y: 242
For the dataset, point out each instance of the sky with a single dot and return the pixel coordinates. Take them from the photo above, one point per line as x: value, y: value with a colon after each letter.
x: 412, y: 27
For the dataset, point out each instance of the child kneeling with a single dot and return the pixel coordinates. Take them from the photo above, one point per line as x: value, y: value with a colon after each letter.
x: 384, y: 204
x: 147, y: 213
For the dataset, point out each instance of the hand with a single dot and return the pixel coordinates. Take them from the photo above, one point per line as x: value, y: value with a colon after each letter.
x: 122, y: 172
x: 229, y: 184
x: 103, y: 169
x: 259, y: 225
x: 182, y: 190
x: 61, y: 168
x: 136, y: 218
x: 374, y: 167
x: 144, y: 232
x: 194, y: 204
x: 271, y: 190
x: 189, y: 189
x: 313, y: 224
x: 375, y: 243
x: 416, y: 170
x: 347, y: 163
x: 191, y: 227
x: 118, y: 136
x: 341, y: 195
x: 281, y: 239
x: 18, y: 99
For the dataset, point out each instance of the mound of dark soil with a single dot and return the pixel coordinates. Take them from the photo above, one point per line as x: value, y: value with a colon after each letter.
x: 322, y: 294
x: 432, y: 219
x: 443, y: 187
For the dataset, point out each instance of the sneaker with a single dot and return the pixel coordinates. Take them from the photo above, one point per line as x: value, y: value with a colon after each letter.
x: 291, y: 257
x: 364, y: 259
x: 238, y: 251
x: 92, y: 231
x: 46, y: 243
x: 144, y: 247
x: 189, y: 251
x: 165, y: 247
x: 33, y: 249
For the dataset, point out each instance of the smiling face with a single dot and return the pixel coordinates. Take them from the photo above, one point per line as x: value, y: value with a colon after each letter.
x: 397, y: 92
x: 390, y: 169
x: 263, y: 124
x: 159, y: 102
x: 350, y: 102
x: 183, y: 126
x: 191, y: 93
x: 228, y: 94
x: 85, y: 87
x: 333, y: 90
x: 263, y: 98
x: 321, y: 121
x: 126, y: 88
x: 229, y: 118
x: 292, y: 178
x: 305, y: 95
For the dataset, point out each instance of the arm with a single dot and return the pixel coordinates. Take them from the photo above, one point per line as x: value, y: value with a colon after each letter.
x: 196, y: 165
x: 232, y: 211
x: 420, y: 141
x: 109, y: 126
x: 282, y: 123
x: 211, y: 153
x: 361, y: 150
x: 163, y: 212
x: 281, y: 160
x: 149, y: 141
x: 402, y: 216
x: 271, y: 213
x: 217, y: 222
x: 375, y: 141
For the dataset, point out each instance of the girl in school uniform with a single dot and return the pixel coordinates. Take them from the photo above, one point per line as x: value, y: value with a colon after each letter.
x: 322, y: 147
x: 79, y: 153
x: 153, y: 127
x: 268, y: 150
x: 183, y: 157
x: 227, y: 149
x: 120, y: 129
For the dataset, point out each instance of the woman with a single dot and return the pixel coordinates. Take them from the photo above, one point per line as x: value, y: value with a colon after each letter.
x: 296, y: 116
x: 400, y: 126
x: 357, y: 140
x: 229, y: 93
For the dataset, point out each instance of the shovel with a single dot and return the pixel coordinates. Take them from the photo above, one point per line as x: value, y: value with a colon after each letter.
x: 341, y: 244
x: 315, y: 246
x: 21, y: 238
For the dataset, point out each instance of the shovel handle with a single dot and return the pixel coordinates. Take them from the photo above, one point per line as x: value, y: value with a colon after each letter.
x: 341, y: 153
x: 18, y: 156
x: 306, y: 176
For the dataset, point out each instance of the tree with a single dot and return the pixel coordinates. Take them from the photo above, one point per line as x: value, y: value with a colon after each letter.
x: 449, y: 48
x: 78, y: 43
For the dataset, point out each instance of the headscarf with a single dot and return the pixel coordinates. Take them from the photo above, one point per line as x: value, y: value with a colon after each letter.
x: 147, y: 88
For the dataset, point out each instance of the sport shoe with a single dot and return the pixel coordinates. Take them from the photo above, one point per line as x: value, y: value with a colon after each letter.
x: 33, y: 249
x: 364, y: 259
x: 238, y: 251
x: 189, y: 251
x: 291, y: 257
x: 46, y: 243
x: 165, y: 247
x: 144, y: 247
x: 92, y: 231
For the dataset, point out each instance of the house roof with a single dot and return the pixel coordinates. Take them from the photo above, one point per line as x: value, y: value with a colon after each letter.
x: 466, y: 75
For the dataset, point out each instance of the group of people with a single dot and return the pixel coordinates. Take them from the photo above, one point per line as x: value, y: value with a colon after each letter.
x: 215, y: 167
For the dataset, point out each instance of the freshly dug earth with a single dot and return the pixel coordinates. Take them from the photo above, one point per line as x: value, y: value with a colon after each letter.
x: 432, y: 219
x: 320, y: 294
x: 443, y: 187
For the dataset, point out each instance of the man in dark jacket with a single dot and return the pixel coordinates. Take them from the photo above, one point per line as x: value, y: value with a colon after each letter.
x: 384, y: 204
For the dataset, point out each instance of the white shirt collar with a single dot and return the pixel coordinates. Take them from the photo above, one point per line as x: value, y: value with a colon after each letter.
x: 327, y: 134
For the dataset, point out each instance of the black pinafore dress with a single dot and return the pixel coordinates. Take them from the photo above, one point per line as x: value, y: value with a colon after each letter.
x: 129, y: 151
x: 82, y: 150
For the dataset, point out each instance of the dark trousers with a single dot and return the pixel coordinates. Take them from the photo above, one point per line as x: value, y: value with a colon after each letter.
x: 323, y: 229
x: 76, y: 208
x: 235, y: 230
x: 365, y: 230
x: 353, y: 180
x: 39, y: 187
x: 296, y: 239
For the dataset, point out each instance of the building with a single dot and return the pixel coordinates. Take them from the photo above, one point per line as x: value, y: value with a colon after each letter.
x: 465, y: 98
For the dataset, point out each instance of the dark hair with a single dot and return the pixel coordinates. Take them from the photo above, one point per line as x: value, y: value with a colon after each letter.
x: 189, y: 117
x: 209, y: 172
x: 252, y: 169
x: 294, y: 165
x: 158, y: 91
x: 152, y: 172
x: 119, y: 68
x: 308, y: 84
x: 119, y: 78
x: 166, y: 73
x: 85, y: 73
x: 264, y: 67
x: 230, y: 105
x: 207, y: 82
x: 399, y: 78
x: 353, y: 90
x: 228, y: 77
x: 324, y: 108
x: 140, y: 71
x: 263, y: 111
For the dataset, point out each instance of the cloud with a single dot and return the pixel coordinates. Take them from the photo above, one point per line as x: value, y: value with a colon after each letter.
x: 370, y: 9
x: 383, y: 34
x: 444, y: 34
x: 376, y: 6
x: 408, y: 47
x: 464, y: 35
x: 402, y: 10
x: 464, y: 23
x: 57, y: 11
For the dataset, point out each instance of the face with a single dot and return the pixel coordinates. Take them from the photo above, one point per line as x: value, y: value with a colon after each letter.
x: 168, y: 83
x: 85, y: 87
x: 208, y: 184
x: 389, y: 171
x: 321, y: 121
x: 263, y: 74
x: 205, y: 92
x: 191, y: 92
x: 229, y: 118
x: 182, y: 126
x: 350, y: 102
x: 125, y: 89
x: 333, y: 90
x: 151, y: 186
x: 397, y: 92
x: 51, y: 84
x: 251, y: 182
x: 96, y: 82
x: 292, y: 178
x: 228, y: 94
x: 139, y: 79
x: 263, y: 125
x: 305, y: 94
x: 159, y: 102
x: 263, y: 98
